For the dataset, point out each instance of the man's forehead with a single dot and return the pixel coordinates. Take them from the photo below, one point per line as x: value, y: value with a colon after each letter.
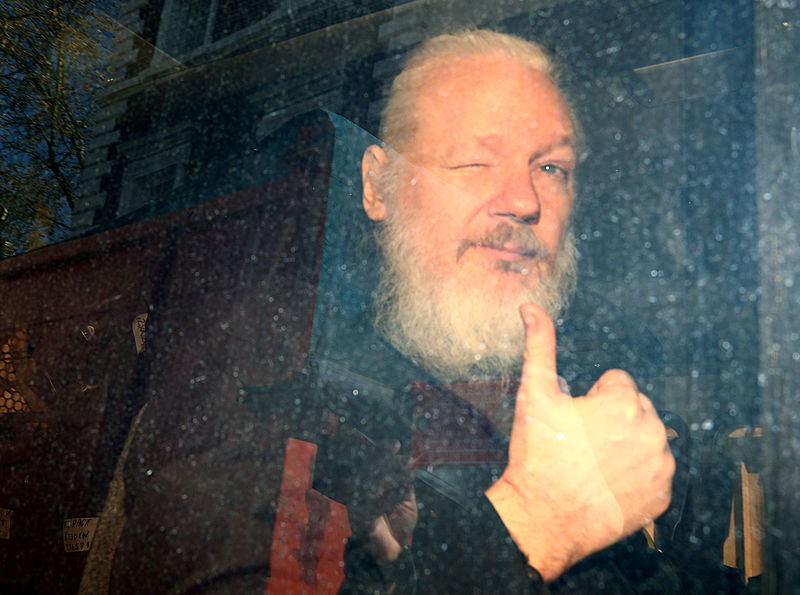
x: 445, y: 76
x: 495, y: 143
x: 480, y: 103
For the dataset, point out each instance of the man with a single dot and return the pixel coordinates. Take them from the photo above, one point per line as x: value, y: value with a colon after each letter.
x: 473, y: 190
x: 472, y: 193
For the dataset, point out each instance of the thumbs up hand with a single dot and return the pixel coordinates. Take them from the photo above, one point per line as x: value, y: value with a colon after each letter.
x: 582, y: 472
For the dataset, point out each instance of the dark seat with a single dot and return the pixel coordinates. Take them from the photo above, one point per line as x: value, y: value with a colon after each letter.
x: 94, y: 328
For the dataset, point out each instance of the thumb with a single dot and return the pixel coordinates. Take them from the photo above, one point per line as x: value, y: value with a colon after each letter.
x: 539, y: 377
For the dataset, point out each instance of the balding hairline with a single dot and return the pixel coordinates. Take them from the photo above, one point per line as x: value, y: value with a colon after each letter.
x: 398, y: 119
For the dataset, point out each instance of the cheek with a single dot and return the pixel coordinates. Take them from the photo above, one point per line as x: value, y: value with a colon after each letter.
x: 421, y: 221
x: 551, y: 232
x: 436, y: 207
x: 553, y: 224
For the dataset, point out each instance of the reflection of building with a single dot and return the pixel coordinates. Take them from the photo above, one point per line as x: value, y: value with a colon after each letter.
x: 667, y: 91
x: 200, y: 83
x: 664, y: 94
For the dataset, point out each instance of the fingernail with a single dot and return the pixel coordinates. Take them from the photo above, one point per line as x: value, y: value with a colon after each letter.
x: 527, y: 315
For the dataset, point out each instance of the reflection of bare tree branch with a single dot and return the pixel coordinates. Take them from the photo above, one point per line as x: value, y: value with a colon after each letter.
x: 4, y: 16
x: 51, y: 56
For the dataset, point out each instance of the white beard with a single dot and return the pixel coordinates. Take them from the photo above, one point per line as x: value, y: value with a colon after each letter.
x: 457, y: 332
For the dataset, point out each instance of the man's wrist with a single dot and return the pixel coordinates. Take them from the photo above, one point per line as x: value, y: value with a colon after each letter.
x: 543, y: 547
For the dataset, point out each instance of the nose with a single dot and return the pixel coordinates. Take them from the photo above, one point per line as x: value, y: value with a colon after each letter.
x: 517, y: 198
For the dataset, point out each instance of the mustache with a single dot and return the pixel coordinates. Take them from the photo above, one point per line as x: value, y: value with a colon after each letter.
x: 506, y: 236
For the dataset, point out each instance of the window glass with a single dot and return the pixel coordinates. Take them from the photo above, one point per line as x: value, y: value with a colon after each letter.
x: 196, y: 264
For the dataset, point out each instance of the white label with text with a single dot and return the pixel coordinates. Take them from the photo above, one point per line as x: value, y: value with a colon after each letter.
x: 79, y: 533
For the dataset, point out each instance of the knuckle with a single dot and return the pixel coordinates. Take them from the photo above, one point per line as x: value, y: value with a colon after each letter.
x: 655, y: 429
x: 660, y: 433
x: 670, y: 464
x: 646, y: 402
x: 664, y: 501
x: 617, y: 376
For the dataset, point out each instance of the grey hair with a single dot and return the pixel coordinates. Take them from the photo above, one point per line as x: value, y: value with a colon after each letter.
x: 398, y: 119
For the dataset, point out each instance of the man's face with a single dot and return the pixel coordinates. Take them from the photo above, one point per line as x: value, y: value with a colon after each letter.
x: 476, y: 216
x: 487, y: 188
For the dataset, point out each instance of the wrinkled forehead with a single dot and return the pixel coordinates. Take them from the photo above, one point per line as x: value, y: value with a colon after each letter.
x: 495, y: 97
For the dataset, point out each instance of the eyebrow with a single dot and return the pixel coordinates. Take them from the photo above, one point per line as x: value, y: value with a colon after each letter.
x: 490, y: 142
x: 493, y: 143
x: 564, y: 142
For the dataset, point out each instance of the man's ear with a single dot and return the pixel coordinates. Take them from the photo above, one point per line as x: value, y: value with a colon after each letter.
x: 372, y: 165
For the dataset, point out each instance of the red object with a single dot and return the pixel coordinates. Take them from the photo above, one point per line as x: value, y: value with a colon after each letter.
x: 311, y: 531
x: 228, y: 286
